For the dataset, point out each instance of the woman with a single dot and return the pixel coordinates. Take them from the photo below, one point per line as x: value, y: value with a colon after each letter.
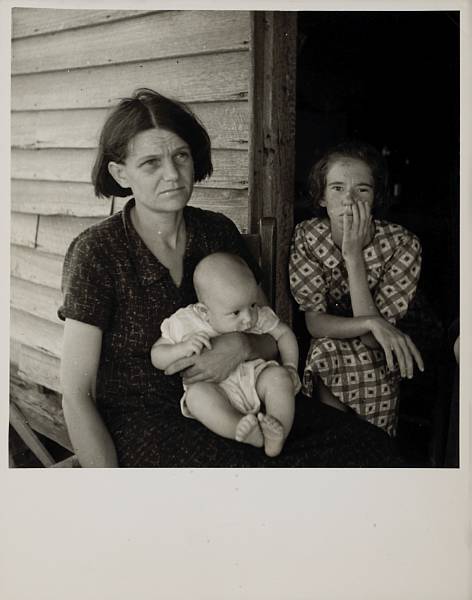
x: 123, y: 276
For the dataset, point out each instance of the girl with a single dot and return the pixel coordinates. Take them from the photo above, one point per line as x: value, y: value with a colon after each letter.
x: 354, y: 278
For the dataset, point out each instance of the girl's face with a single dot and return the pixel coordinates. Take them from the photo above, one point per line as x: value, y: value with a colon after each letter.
x: 159, y: 170
x: 348, y: 181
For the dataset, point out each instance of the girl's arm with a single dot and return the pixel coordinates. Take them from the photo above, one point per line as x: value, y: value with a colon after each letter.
x: 356, y: 232
x: 90, y: 438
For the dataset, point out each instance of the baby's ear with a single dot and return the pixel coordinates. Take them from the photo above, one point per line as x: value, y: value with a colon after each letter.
x: 202, y: 310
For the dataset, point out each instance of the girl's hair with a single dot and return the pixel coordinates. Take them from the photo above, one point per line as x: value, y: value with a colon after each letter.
x: 351, y: 149
x: 146, y: 109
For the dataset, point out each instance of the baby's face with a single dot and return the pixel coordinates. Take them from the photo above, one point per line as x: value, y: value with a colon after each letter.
x: 232, y: 308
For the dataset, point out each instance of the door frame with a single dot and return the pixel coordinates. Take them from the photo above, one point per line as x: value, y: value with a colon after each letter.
x: 272, y: 97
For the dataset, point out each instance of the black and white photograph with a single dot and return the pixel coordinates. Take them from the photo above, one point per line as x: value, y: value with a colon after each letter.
x: 236, y: 280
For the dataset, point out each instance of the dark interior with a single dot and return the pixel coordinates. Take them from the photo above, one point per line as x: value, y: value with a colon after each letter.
x: 392, y: 79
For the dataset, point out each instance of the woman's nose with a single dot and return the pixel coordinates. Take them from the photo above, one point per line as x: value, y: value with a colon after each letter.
x: 170, y: 172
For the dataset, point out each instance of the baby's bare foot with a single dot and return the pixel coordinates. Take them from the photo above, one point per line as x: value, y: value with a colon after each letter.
x: 273, y: 432
x: 249, y: 432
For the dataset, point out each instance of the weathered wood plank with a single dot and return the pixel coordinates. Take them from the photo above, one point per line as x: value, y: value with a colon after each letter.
x: 51, y: 164
x: 227, y: 124
x: 57, y: 198
x: 40, y: 367
x: 38, y: 21
x: 23, y: 229
x: 211, y: 78
x: 35, y: 299
x: 15, y: 352
x: 272, y: 153
x: 21, y: 426
x: 151, y: 36
x: 36, y: 266
x: 35, y: 332
x: 72, y: 462
x: 56, y: 233
x: 42, y: 410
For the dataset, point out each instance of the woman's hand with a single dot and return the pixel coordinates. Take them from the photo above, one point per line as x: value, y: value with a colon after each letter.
x: 228, y: 351
x: 396, y: 344
x: 357, y: 224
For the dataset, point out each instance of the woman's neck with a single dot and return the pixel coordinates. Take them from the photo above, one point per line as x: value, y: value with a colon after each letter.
x: 163, y: 228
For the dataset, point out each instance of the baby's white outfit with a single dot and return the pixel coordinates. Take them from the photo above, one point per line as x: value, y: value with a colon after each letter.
x: 240, y: 385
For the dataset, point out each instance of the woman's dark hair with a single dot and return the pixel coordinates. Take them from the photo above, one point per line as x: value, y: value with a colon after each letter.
x: 145, y: 110
x: 351, y: 149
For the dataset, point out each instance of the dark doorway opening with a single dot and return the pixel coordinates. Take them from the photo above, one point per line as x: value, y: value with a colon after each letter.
x: 392, y: 79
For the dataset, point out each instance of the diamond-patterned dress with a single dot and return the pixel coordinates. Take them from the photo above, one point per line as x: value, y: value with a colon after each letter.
x: 355, y: 373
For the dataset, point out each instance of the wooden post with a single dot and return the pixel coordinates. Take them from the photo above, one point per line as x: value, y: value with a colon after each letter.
x: 272, y: 139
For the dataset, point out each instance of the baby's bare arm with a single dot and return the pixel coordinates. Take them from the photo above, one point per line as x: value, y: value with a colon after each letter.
x: 164, y: 353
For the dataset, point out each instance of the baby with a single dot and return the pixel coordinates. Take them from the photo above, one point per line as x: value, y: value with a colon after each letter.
x: 230, y: 300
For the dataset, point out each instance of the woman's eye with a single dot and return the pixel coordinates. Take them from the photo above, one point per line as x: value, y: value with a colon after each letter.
x: 182, y: 156
x: 152, y: 162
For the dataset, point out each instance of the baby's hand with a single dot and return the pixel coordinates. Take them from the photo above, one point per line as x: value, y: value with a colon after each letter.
x: 193, y: 343
x: 295, y: 378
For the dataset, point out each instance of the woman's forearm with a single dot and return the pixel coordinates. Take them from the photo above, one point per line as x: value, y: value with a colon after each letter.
x: 260, y: 346
x: 90, y: 438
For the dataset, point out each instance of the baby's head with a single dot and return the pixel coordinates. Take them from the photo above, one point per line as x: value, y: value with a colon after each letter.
x: 227, y: 292
x: 353, y: 151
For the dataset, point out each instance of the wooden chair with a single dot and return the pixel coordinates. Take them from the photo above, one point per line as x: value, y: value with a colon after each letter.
x: 34, y: 408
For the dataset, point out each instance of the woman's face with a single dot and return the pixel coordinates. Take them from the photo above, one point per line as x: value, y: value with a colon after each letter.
x: 348, y: 181
x: 159, y: 170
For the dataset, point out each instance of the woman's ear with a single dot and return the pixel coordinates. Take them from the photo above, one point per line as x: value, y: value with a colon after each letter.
x: 118, y: 172
x: 202, y: 311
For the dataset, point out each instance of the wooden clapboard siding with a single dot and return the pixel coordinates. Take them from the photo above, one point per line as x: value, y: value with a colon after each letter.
x: 36, y: 266
x: 41, y: 409
x: 56, y: 233
x: 38, y: 300
x: 35, y: 332
x: 203, y: 78
x: 70, y: 164
x: 227, y: 124
x: 23, y: 228
x: 37, y: 21
x: 40, y: 367
x: 57, y: 198
x: 69, y: 67
x: 141, y: 38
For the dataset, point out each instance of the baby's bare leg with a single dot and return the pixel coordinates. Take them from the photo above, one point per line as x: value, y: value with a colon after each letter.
x: 209, y: 404
x: 275, y: 388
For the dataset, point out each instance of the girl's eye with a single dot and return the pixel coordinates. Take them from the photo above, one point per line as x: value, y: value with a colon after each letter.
x: 236, y: 313
x: 364, y: 190
x: 253, y: 305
